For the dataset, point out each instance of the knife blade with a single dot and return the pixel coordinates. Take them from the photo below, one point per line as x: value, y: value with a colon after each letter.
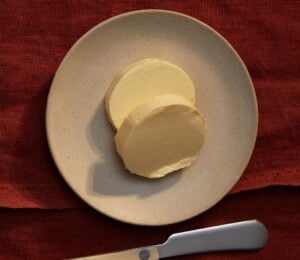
x: 244, y: 235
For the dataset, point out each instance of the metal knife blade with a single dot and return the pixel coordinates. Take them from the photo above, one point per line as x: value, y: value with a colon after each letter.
x: 245, y: 235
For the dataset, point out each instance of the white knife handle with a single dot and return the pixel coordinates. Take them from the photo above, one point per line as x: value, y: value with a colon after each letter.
x: 245, y: 235
x: 147, y: 253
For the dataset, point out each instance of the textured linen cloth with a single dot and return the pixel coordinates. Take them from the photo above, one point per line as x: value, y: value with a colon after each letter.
x: 58, y: 234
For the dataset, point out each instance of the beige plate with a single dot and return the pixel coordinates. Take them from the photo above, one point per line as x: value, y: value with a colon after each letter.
x: 81, y: 138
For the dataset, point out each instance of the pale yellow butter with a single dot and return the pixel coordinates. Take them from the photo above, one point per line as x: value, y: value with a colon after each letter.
x: 143, y: 80
x: 160, y: 136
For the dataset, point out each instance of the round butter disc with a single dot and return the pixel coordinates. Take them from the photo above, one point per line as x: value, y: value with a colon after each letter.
x: 143, y: 80
x: 160, y: 136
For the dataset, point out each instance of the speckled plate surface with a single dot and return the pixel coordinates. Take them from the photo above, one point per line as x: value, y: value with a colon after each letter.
x: 81, y: 138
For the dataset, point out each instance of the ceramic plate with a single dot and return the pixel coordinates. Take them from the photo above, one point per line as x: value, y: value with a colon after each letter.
x: 82, y: 140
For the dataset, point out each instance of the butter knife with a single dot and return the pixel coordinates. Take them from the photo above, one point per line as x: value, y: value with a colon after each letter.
x: 245, y: 235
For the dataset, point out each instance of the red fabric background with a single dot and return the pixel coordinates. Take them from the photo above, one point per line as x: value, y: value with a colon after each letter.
x: 34, y: 37
x: 57, y: 234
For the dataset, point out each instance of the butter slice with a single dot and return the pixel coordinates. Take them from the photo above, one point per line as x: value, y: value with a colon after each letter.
x: 160, y: 136
x: 143, y: 80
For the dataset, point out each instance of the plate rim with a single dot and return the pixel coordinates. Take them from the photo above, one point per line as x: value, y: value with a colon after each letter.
x: 157, y: 11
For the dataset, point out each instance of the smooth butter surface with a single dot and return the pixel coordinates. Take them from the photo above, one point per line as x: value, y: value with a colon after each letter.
x: 143, y: 80
x: 160, y: 136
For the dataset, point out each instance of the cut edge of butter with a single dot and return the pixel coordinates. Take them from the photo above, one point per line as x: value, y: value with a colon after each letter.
x: 149, y: 108
x: 143, y: 109
x: 140, y: 66
x: 173, y: 167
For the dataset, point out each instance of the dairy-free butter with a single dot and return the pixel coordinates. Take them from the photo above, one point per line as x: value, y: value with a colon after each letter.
x: 144, y: 80
x: 161, y: 135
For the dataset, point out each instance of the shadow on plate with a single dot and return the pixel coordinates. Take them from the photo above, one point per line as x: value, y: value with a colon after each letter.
x: 108, y: 175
